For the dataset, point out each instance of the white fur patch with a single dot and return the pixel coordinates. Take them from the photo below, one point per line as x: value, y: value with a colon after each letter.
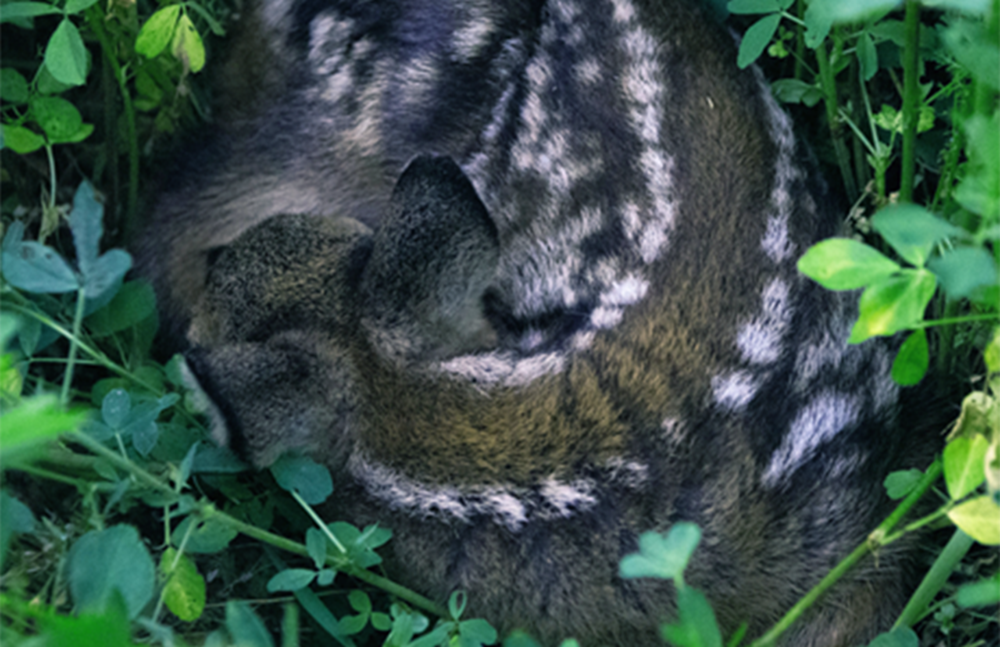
x: 473, y: 35
x: 507, y: 505
x: 776, y: 242
x: 761, y: 340
x: 825, y: 353
x: 817, y: 423
x: 503, y: 368
x: 734, y: 391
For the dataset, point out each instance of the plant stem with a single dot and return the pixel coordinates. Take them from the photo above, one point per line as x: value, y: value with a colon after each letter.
x: 364, y: 575
x: 52, y: 175
x: 209, y: 510
x: 828, y: 83
x: 319, y: 522
x: 99, y: 357
x: 874, y: 541
x: 95, y: 19
x: 74, y: 343
x: 986, y: 316
x: 957, y: 547
x: 911, y: 98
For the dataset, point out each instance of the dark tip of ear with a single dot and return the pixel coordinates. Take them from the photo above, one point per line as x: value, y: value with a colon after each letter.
x: 214, y: 253
x: 433, y: 178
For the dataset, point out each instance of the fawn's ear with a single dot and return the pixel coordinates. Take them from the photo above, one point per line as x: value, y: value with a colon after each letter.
x: 291, y: 393
x: 433, y: 258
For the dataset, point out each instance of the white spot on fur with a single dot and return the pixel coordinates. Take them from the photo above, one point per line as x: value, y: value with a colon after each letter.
x: 418, y: 79
x: 630, y: 474
x: 884, y: 390
x: 817, y: 423
x: 605, y: 317
x: 473, y: 35
x: 823, y: 354
x: 503, y: 368
x: 624, y: 11
x: 567, y: 498
x: 775, y: 243
x: 588, y: 71
x: 627, y: 291
x: 735, y: 390
x: 760, y: 340
x: 507, y: 505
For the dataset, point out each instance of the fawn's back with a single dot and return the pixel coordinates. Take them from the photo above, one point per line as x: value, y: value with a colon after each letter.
x: 523, y: 275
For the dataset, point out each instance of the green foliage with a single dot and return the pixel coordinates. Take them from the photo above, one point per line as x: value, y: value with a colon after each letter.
x: 124, y: 435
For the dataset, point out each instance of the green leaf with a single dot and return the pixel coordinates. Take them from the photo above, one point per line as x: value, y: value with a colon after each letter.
x: 209, y: 19
x: 184, y: 592
x: 899, y: 484
x: 290, y: 579
x: 86, y: 221
x: 964, y: 270
x: 974, y: 7
x: 845, y: 264
x: 325, y: 577
x: 303, y: 475
x: 57, y: 117
x: 841, y: 11
x: 381, y: 621
x: 796, y: 91
x: 818, y: 23
x: 34, y: 267
x: 980, y: 594
x: 475, y: 633
x: 65, y: 55
x: 319, y: 612
x: 696, y: 626
x: 662, y: 556
x: 17, y: 516
x: 975, y: 49
x: 913, y: 231
x: 105, y: 277
x: 991, y: 353
x: 912, y: 360
x: 34, y: 422
x: 900, y: 637
x: 21, y: 140
x: 115, y: 407
x: 756, y: 6
x: 978, y: 411
x: 351, y: 625
x: 16, y: 10
x: 209, y: 536
x: 979, y: 191
x: 893, y: 304
x: 158, y: 31
x: 965, y: 465
x: 867, y: 56
x: 360, y: 601
x: 457, y: 603
x: 109, y: 628
x: 13, y: 86
x: 245, y: 627
x: 76, y: 6
x: 978, y: 519
x: 756, y: 39
x: 217, y: 460
x: 133, y: 303
x: 360, y: 546
x: 187, y: 45
x: 316, y: 543
x: 103, y: 561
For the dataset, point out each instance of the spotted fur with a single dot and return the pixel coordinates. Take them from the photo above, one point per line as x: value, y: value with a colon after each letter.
x: 537, y: 295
